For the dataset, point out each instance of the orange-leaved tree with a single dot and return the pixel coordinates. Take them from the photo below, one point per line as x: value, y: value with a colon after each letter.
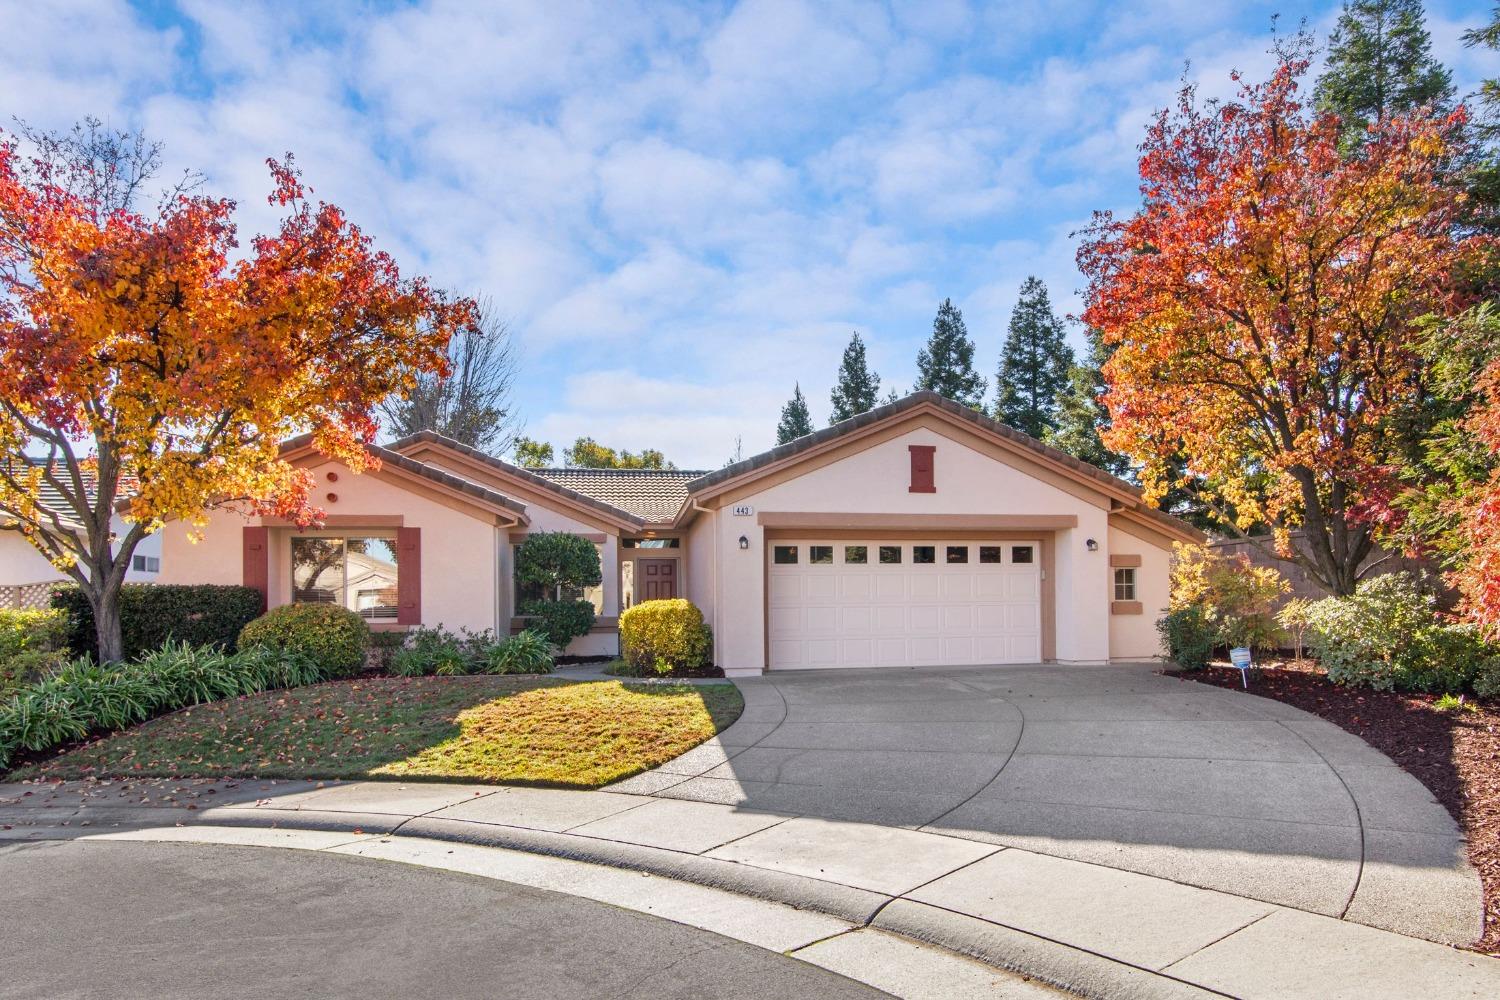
x: 1476, y: 511
x: 1262, y: 305
x: 148, y: 371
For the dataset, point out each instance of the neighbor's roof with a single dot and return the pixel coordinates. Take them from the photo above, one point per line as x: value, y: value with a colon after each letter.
x: 50, y: 498
x: 653, y: 495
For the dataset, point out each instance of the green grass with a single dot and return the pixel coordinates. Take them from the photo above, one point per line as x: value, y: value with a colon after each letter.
x: 522, y: 730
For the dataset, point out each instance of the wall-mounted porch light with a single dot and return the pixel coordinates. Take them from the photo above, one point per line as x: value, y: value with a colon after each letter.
x: 1091, y: 545
x: 744, y: 542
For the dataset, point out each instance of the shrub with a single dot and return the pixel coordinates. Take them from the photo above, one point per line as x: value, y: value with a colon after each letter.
x: 526, y: 652
x: 665, y: 636
x: 1487, y: 680
x: 1389, y: 635
x: 1294, y: 622
x: 334, y: 638
x: 559, y: 622
x: 153, y: 614
x: 428, y: 651
x: 1237, y: 598
x: 1189, y: 637
x: 31, y: 642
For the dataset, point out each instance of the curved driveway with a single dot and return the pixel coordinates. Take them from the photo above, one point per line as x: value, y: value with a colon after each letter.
x: 1117, y: 766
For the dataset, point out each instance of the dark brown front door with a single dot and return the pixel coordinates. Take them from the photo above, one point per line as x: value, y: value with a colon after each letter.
x: 658, y: 578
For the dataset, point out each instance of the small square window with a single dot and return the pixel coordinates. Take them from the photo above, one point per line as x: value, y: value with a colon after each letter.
x: 958, y: 553
x: 923, y: 554
x: 820, y: 555
x: 1125, y: 584
x: 145, y: 564
x: 890, y: 555
x: 989, y: 553
x: 784, y: 555
x: 1020, y: 553
x: 856, y: 555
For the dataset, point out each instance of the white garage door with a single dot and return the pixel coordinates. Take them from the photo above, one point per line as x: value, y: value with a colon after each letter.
x: 897, y: 604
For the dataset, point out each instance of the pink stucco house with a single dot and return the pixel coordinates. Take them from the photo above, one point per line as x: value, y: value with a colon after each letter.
x: 920, y: 533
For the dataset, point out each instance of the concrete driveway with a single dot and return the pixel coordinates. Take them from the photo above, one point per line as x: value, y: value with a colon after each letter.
x: 1116, y: 766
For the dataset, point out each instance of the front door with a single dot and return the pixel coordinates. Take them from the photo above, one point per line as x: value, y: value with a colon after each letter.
x: 658, y: 579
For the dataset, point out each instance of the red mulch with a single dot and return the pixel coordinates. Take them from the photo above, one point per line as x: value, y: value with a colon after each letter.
x: 1455, y: 753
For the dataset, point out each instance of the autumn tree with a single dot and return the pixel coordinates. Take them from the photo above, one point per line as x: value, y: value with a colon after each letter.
x: 586, y: 453
x: 945, y: 365
x: 1261, y: 306
x: 1034, y: 363
x: 530, y: 454
x: 472, y: 403
x: 795, y: 421
x: 151, y: 367
x: 857, y: 389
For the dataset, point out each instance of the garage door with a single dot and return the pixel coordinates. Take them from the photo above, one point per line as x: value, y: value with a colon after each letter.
x: 895, y: 604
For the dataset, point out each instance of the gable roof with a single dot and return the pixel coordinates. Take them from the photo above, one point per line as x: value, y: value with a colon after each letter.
x: 1126, y: 495
x: 653, y: 495
x: 622, y: 516
x: 51, y: 499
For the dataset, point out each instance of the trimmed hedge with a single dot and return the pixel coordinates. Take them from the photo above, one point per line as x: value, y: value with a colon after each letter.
x: 84, y: 697
x: 154, y: 614
x: 665, y: 637
x: 30, y: 643
x: 331, y: 636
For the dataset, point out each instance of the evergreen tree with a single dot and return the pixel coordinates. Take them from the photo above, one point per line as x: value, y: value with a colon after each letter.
x: 946, y: 365
x: 795, y: 420
x: 858, y: 388
x: 1082, y: 415
x: 1034, y: 365
x: 1380, y: 64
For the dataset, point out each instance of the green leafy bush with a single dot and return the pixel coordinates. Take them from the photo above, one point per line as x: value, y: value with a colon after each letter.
x: 1237, y: 598
x: 1189, y: 636
x: 559, y: 622
x: 666, y: 637
x: 436, y: 651
x: 31, y: 642
x: 332, y: 637
x: 1487, y: 680
x: 526, y: 652
x: 153, y: 614
x: 1389, y: 635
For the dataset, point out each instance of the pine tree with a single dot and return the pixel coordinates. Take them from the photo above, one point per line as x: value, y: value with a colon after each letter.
x: 1034, y: 364
x: 1082, y: 415
x: 858, y: 388
x: 946, y: 365
x: 1380, y: 64
x: 795, y: 420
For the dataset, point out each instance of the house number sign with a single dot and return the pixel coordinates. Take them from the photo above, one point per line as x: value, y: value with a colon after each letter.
x: 742, y: 510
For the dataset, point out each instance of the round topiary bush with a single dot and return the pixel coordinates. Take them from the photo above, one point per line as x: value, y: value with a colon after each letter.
x: 332, y: 637
x: 665, y: 636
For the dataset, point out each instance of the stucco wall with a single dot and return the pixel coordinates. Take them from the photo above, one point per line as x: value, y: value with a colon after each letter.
x: 20, y: 563
x: 1134, y: 637
x: 460, y: 550
x: 876, y: 480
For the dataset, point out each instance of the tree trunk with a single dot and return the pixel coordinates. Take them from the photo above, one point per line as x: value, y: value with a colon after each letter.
x: 107, y: 630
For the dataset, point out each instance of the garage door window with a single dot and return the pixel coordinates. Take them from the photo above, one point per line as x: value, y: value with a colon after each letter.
x: 890, y: 555
x: 958, y: 554
x: 820, y: 555
x: 989, y: 553
x: 784, y: 555
x: 1020, y: 553
x: 856, y: 555
x: 924, y: 554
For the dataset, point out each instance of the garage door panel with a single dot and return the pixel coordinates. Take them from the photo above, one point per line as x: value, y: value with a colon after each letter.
x: 902, y: 614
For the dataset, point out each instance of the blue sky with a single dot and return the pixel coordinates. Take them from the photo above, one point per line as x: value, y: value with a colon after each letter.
x: 681, y: 209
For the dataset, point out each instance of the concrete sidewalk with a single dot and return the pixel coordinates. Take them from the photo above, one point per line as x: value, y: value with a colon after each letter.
x: 1095, y: 930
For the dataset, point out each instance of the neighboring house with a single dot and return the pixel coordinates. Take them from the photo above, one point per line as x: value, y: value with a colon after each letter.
x: 920, y: 533
x: 27, y: 578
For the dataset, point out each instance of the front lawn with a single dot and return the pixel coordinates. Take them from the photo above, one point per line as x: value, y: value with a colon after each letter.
x: 522, y: 730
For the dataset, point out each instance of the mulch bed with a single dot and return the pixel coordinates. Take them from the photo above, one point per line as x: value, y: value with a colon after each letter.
x: 1455, y: 753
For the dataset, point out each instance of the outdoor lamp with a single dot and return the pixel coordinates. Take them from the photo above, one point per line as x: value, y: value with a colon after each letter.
x: 1091, y: 545
x: 744, y: 542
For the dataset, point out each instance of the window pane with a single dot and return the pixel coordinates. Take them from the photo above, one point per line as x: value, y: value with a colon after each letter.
x: 958, y: 553
x: 371, y: 577
x: 651, y: 543
x: 923, y: 554
x: 820, y: 555
x: 1125, y: 584
x: 989, y: 553
x: 317, y: 570
x: 890, y: 554
x: 856, y: 555
x: 1022, y: 554
x: 784, y: 555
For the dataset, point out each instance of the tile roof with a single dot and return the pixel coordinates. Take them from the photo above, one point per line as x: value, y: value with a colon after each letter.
x: 51, y: 498
x: 653, y: 495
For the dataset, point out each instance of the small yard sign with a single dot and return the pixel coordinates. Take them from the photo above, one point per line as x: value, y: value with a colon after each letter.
x: 1239, y: 659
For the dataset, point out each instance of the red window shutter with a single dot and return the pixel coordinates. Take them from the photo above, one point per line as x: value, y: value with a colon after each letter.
x: 921, y: 468
x: 408, y: 576
x: 256, y: 569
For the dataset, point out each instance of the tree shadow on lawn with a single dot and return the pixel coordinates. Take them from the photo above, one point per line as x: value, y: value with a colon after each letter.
x: 523, y: 730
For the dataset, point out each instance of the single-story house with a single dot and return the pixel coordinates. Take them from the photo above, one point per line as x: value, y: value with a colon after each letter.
x: 27, y: 578
x: 919, y: 533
